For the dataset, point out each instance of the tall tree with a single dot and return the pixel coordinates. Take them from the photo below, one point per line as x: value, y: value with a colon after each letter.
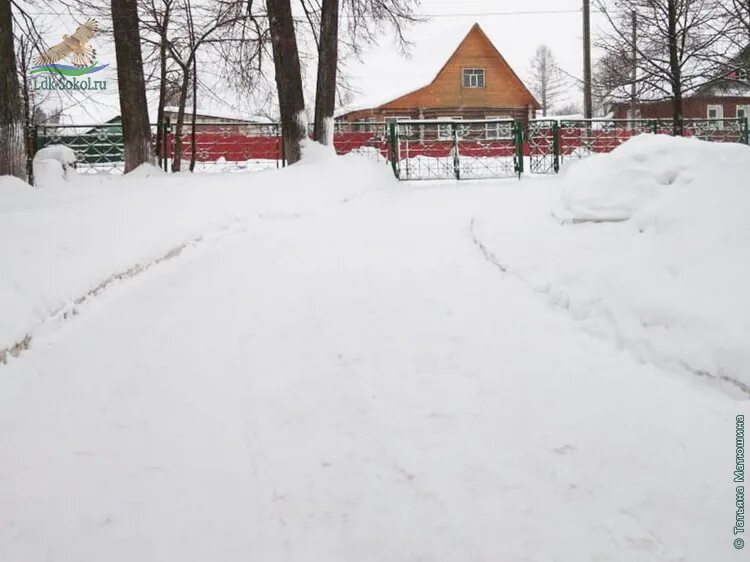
x: 133, y: 108
x: 12, y: 125
x: 546, y: 82
x: 325, y: 95
x: 737, y: 16
x: 288, y: 77
x: 676, y: 49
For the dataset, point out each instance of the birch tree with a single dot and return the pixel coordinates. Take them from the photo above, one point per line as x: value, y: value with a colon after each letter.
x: 12, y: 125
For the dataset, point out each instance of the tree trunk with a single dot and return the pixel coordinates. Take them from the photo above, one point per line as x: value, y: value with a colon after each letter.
x: 674, y: 66
x: 133, y: 109
x: 288, y: 77
x: 177, y: 152
x: 160, y: 123
x: 12, y: 137
x: 195, y: 115
x: 325, y: 95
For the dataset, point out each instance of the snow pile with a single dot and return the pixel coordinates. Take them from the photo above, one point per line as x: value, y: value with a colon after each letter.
x: 669, y: 282
x: 616, y: 185
x: 10, y: 185
x: 51, y: 165
x: 67, y: 243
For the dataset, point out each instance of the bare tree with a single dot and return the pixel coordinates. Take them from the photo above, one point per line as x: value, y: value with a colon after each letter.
x: 736, y: 15
x: 288, y: 77
x: 325, y: 94
x: 133, y: 109
x: 546, y: 82
x: 676, y: 49
x: 12, y: 138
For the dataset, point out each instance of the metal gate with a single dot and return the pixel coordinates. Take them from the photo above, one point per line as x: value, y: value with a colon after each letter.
x: 456, y: 149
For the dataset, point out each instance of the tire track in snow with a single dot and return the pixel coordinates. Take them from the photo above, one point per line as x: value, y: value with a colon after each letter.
x: 490, y: 257
x: 71, y: 307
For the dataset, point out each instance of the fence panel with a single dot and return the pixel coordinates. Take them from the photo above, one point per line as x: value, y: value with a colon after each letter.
x: 581, y: 138
x: 368, y: 139
x: 223, y: 147
x: 98, y: 148
x: 716, y: 130
x: 542, y: 145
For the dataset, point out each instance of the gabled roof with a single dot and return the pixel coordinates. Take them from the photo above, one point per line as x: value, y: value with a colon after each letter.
x: 476, y: 36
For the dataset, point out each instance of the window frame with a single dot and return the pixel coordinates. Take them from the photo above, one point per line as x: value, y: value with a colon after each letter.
x: 473, y: 76
x: 718, y: 108
x: 745, y: 109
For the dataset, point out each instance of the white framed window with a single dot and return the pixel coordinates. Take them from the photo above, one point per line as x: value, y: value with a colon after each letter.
x: 473, y: 78
x: 743, y: 74
x: 445, y: 131
x: 499, y: 130
x: 715, y: 112
x: 743, y: 111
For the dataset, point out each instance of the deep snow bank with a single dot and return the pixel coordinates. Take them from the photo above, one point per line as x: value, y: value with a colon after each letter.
x: 668, y: 283
x: 62, y: 244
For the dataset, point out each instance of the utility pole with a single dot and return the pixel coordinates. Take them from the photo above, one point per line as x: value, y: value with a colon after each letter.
x: 587, y: 104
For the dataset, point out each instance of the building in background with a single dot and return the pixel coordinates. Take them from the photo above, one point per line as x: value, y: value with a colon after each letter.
x: 475, y: 83
x: 726, y: 96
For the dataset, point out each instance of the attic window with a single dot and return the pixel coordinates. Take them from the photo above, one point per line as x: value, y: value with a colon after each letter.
x: 742, y: 74
x: 473, y: 77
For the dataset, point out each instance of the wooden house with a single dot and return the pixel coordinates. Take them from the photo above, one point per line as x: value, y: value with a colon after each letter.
x: 726, y: 96
x: 476, y: 82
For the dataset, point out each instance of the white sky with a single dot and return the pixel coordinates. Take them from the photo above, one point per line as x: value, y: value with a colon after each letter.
x: 516, y: 35
x: 383, y: 71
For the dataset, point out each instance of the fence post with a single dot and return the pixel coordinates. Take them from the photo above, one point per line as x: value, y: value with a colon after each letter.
x: 745, y: 127
x: 518, y: 141
x: 165, y: 130
x: 456, y: 158
x: 655, y: 126
x: 393, y: 142
x: 556, y: 146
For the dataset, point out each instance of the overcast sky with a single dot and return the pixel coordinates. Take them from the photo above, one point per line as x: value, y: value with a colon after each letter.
x: 516, y: 29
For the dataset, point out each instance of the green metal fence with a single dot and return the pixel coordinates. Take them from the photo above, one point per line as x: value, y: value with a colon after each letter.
x: 456, y: 149
x: 416, y: 149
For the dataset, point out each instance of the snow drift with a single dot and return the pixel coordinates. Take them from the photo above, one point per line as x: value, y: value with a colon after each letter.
x: 67, y: 243
x: 669, y: 282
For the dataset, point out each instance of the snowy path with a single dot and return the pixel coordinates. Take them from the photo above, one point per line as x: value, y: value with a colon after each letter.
x: 359, y: 385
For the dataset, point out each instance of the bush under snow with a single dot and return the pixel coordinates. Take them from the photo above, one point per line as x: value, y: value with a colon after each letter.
x: 52, y: 164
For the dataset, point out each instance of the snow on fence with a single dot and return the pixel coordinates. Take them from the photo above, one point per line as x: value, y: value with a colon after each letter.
x: 416, y: 149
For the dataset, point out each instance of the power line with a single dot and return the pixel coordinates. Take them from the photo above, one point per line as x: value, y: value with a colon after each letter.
x: 442, y: 15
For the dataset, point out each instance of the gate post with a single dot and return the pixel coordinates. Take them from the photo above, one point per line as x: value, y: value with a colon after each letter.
x: 393, y: 142
x: 556, y: 146
x: 518, y: 141
x: 456, y: 158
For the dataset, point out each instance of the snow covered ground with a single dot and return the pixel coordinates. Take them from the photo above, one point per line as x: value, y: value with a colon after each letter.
x: 320, y: 364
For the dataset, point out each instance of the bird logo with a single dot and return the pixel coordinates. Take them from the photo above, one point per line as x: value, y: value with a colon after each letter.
x: 75, y: 47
